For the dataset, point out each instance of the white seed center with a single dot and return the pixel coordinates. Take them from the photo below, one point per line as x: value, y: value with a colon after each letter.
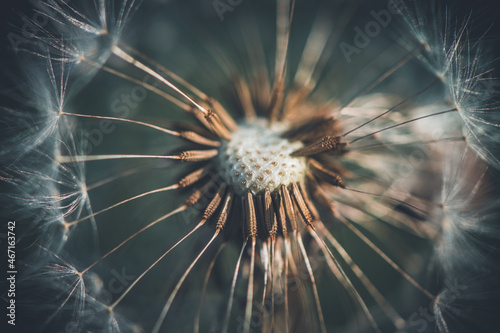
x: 258, y: 158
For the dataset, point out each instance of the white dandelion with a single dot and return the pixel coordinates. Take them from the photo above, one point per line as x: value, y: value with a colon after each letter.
x: 268, y: 166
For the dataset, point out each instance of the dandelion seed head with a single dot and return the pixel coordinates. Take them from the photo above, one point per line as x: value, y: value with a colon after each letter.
x: 317, y: 147
x: 251, y: 159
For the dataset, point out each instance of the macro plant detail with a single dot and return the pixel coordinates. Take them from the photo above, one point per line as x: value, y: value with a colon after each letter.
x: 276, y: 166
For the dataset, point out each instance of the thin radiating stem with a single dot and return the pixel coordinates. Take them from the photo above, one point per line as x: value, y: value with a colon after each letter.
x: 134, y: 283
x: 196, y: 327
x: 89, y: 158
x: 344, y: 17
x: 198, y: 139
x: 287, y: 310
x: 382, y: 77
x: 401, y: 202
x: 190, y: 155
x: 397, y: 320
x: 384, y: 256
x: 225, y: 324
x: 266, y: 262
x: 308, y: 219
x: 160, y: 190
x: 416, y: 142
x: 273, y: 249
x: 178, y: 210
x: 402, y: 123
x: 351, y: 289
x: 248, y: 306
x: 314, y: 48
x: 112, y: 178
x: 396, y: 219
x: 143, y: 84
x: 328, y: 204
x: 313, y: 282
x: 283, y: 26
x: 168, y: 72
x: 134, y: 62
x: 168, y: 304
x: 389, y: 110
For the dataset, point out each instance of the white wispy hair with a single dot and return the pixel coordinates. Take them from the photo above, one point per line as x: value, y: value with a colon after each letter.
x: 47, y: 195
x: 42, y: 96
x: 470, y: 210
x: 68, y: 294
x: 468, y: 248
x: 464, y: 65
x: 81, y: 33
x: 69, y: 50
